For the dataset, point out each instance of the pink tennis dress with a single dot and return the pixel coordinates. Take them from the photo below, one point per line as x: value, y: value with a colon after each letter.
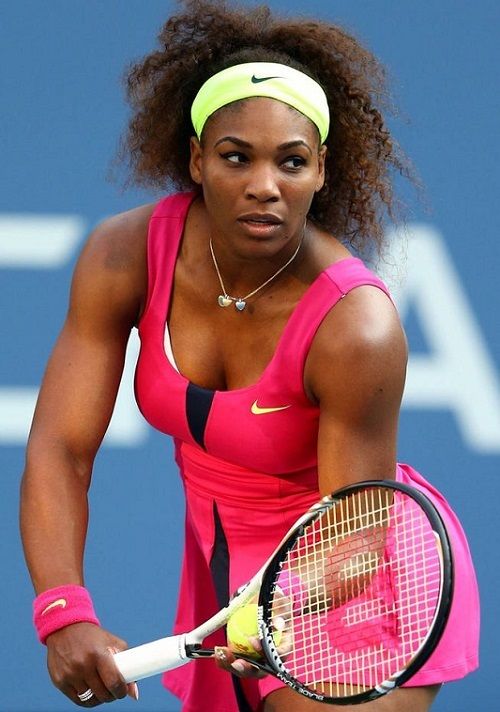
x: 248, y: 476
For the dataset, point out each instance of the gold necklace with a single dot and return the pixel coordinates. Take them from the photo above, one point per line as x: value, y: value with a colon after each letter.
x: 225, y: 300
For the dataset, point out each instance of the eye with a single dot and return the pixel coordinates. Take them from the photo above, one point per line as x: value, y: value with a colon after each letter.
x: 234, y: 157
x: 294, y: 162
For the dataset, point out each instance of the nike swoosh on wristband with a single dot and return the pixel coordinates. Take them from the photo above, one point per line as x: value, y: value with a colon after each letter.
x: 55, y: 604
x: 257, y: 410
x: 256, y: 80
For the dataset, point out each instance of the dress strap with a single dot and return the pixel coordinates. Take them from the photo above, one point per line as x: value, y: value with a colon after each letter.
x: 173, y: 206
x: 331, y: 285
x: 166, y: 227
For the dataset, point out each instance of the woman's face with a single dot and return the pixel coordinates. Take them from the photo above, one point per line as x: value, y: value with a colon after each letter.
x: 259, y: 165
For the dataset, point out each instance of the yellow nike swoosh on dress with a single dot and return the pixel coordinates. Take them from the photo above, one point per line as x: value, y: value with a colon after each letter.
x: 257, y: 410
x: 60, y: 602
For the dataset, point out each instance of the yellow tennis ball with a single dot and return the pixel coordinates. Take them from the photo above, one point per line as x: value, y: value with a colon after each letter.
x: 242, y: 625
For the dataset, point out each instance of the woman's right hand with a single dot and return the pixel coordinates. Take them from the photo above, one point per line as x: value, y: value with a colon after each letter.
x: 80, y: 658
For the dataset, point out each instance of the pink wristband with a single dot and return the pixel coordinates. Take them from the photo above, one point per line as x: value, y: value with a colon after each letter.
x: 62, y: 606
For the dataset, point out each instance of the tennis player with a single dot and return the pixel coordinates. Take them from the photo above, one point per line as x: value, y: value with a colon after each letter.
x: 270, y: 353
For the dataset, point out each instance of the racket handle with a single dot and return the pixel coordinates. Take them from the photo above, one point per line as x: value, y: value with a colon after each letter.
x: 152, y: 658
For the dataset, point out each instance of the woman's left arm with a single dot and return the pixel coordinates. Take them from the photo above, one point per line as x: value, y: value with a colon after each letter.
x: 355, y: 371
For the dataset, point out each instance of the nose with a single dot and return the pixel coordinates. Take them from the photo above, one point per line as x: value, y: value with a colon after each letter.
x: 262, y: 184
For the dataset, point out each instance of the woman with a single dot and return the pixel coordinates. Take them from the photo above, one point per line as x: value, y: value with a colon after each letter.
x: 274, y: 357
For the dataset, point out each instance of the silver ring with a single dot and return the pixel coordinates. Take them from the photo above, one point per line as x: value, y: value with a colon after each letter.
x: 220, y: 654
x: 85, y: 696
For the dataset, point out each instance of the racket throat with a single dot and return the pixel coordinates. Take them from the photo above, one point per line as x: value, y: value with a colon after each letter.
x: 195, y: 651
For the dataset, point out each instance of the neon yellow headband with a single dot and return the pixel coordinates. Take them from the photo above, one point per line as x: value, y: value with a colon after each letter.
x: 268, y: 79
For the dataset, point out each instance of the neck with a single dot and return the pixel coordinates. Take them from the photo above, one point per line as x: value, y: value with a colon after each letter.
x: 239, y: 299
x: 241, y: 273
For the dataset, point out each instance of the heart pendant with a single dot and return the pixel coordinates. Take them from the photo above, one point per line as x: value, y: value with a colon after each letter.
x: 224, y: 301
x: 240, y: 304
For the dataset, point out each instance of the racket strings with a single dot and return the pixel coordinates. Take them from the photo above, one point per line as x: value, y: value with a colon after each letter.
x: 362, y: 585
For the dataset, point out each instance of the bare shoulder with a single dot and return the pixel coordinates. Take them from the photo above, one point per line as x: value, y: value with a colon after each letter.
x: 361, y: 340
x: 364, y: 320
x: 112, y: 268
x: 119, y: 241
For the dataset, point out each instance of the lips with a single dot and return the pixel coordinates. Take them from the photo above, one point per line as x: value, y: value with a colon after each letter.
x: 261, y: 218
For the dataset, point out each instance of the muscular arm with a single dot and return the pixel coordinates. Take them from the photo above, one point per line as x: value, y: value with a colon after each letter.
x: 355, y: 371
x: 73, y: 411
x: 75, y: 404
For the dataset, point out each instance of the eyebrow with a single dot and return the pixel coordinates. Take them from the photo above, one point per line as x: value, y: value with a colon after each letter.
x: 293, y: 144
x: 233, y: 139
x: 281, y: 147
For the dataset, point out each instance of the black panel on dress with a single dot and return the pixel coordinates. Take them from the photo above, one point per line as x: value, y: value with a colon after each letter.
x: 219, y: 568
x: 198, y: 404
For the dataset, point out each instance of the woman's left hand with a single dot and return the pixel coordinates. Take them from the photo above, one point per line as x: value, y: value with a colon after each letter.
x: 227, y: 660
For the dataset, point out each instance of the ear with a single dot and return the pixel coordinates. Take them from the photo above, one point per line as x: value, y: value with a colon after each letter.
x: 321, y: 168
x: 196, y: 159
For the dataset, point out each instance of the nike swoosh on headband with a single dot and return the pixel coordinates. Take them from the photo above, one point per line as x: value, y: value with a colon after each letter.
x: 60, y: 602
x: 257, y: 410
x: 256, y: 80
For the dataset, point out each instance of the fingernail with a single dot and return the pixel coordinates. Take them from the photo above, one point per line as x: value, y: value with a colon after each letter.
x: 220, y: 654
x: 255, y: 643
x: 279, y: 623
x: 133, y: 691
x: 238, y: 666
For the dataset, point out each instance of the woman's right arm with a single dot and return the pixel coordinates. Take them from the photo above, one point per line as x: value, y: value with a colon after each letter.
x: 73, y: 411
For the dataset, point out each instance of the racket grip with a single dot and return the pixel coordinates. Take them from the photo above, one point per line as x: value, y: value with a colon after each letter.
x: 152, y: 658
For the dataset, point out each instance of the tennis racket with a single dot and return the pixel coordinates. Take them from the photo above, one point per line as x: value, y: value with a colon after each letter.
x: 363, y: 584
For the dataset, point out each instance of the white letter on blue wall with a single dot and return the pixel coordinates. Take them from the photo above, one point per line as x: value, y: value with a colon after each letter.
x: 458, y: 374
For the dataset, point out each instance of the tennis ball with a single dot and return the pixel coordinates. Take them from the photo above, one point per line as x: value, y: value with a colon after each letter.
x: 243, y: 625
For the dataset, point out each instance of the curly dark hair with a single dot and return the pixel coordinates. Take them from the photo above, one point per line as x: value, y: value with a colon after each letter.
x: 208, y: 36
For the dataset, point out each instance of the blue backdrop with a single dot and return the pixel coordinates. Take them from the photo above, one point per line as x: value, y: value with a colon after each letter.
x: 62, y: 112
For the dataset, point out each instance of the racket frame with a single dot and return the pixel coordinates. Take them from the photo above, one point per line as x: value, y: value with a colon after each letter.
x: 277, y: 666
